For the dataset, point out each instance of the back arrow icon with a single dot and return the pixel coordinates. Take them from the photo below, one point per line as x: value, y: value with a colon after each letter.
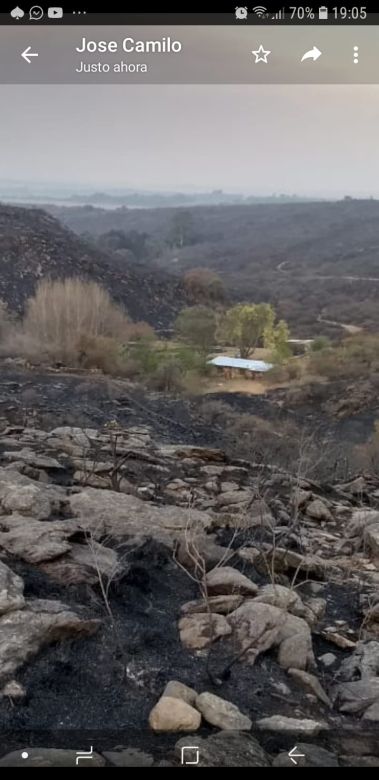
x: 293, y: 755
x: 312, y: 54
x: 29, y: 53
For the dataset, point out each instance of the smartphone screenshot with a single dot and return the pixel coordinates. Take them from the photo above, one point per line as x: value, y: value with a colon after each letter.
x: 189, y: 379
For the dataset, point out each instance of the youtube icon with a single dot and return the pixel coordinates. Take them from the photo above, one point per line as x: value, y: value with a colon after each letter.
x: 55, y: 13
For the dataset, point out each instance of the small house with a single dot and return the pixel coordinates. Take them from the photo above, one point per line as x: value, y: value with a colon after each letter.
x: 232, y: 367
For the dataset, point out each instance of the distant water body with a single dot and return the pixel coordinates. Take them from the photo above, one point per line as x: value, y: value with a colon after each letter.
x: 65, y: 203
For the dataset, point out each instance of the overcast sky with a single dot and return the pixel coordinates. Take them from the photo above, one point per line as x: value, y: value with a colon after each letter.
x: 314, y: 140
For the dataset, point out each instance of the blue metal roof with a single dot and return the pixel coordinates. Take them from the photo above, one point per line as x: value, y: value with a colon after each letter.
x: 260, y: 366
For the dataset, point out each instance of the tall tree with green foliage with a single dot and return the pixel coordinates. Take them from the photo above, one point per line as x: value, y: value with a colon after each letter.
x: 276, y: 339
x: 245, y: 326
x: 197, y: 325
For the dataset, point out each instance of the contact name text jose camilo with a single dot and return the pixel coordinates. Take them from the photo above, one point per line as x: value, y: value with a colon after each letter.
x: 130, y: 45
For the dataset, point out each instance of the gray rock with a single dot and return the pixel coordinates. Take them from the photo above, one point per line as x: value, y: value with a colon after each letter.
x: 258, y: 627
x: 311, y: 683
x: 84, y: 563
x: 358, y: 696
x: 197, y: 631
x: 178, y: 690
x: 318, y: 510
x: 118, y: 515
x: 226, y: 749
x: 33, y: 540
x: 226, y: 580
x: 32, y: 458
x: 11, y: 590
x: 363, y: 664
x: 279, y: 724
x: 235, y: 497
x: 24, y: 632
x: 27, y: 500
x: 221, y: 713
x: 284, y: 559
x: 328, y: 659
x: 314, y: 756
x: 281, y: 597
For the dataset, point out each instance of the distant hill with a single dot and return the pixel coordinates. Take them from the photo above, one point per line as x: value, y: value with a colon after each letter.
x: 312, y: 260
x: 34, y: 245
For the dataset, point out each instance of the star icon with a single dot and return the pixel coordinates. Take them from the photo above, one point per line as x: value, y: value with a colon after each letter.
x: 261, y: 54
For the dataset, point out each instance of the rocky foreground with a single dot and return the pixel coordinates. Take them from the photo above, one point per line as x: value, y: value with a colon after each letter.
x: 163, y: 595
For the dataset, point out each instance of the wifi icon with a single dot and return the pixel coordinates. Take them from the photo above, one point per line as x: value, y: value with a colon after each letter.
x: 260, y: 10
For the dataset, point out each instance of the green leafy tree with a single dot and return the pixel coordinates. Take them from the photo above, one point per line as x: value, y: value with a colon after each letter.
x: 197, y: 326
x: 276, y: 338
x: 245, y: 326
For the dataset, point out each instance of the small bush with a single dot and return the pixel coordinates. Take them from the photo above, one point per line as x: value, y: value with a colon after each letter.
x: 294, y: 369
x: 168, y: 376
x: 100, y: 352
x: 320, y: 343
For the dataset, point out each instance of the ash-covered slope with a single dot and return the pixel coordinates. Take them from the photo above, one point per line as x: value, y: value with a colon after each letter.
x: 35, y: 246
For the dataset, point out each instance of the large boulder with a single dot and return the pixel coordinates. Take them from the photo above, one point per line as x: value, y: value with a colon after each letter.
x: 221, y: 713
x: 200, y: 630
x: 27, y: 500
x: 84, y: 563
x: 34, y: 459
x: 356, y: 697
x: 284, y: 598
x: 172, y: 714
x: 258, y: 627
x: 33, y: 540
x: 25, y: 631
x: 121, y: 516
x: 11, y: 590
x: 25, y: 496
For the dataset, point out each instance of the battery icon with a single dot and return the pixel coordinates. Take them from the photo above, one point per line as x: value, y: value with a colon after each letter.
x: 323, y: 12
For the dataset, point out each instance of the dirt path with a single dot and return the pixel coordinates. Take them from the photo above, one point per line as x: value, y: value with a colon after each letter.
x: 327, y: 277
x: 348, y: 327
